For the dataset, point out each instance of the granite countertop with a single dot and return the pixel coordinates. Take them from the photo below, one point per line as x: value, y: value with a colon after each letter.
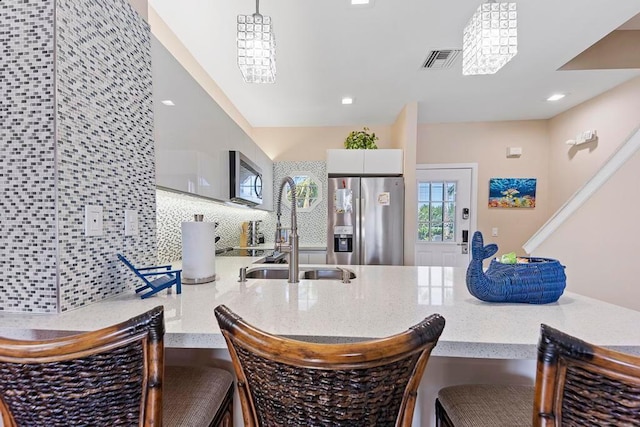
x: 381, y: 301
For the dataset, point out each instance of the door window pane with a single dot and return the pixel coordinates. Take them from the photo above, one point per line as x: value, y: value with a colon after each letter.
x: 447, y: 233
x: 451, y: 191
x: 437, y: 191
x: 436, y: 211
x: 423, y: 191
x: 450, y: 212
x: 423, y: 231
x: 423, y: 212
x: 436, y: 232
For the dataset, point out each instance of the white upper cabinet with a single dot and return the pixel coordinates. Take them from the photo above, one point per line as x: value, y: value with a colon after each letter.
x: 365, y: 162
x: 345, y: 161
x: 384, y: 162
x: 194, y: 136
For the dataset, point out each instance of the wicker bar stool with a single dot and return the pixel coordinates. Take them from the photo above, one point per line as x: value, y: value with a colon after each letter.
x: 110, y: 377
x: 197, y: 397
x: 577, y: 384
x: 288, y: 382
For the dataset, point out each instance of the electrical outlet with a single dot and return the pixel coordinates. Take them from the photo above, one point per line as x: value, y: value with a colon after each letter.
x: 92, y: 220
x: 130, y: 222
x: 494, y: 232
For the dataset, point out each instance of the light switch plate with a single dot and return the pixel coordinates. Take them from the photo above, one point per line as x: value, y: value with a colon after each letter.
x: 494, y: 232
x: 131, y: 222
x: 92, y: 220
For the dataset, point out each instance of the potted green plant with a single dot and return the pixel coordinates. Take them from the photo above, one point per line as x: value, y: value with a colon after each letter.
x: 361, y: 139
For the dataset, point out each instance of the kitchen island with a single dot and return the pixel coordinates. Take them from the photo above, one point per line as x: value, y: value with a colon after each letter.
x: 482, y: 342
x: 381, y: 301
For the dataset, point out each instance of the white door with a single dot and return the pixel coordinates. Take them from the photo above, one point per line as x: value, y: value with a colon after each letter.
x: 446, y: 216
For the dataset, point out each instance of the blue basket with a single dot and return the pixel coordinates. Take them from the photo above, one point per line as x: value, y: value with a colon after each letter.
x: 540, y: 281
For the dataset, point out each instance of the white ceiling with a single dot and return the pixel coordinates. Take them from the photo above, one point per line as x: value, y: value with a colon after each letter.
x: 327, y: 49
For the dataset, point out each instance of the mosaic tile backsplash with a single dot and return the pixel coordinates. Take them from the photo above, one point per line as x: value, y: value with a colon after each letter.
x: 312, y: 226
x: 88, y: 137
x: 174, y: 208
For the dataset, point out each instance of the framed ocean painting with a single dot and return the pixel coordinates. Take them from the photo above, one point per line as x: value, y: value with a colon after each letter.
x: 512, y: 193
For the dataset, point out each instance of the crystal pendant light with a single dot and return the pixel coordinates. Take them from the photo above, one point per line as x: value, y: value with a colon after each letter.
x: 490, y: 38
x: 256, y: 48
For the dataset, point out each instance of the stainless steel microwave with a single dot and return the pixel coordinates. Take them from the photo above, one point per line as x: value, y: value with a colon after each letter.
x: 245, y: 180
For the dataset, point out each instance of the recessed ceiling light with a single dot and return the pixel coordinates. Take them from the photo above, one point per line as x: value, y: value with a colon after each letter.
x: 361, y: 4
x: 347, y: 100
x: 556, y: 97
x: 168, y: 102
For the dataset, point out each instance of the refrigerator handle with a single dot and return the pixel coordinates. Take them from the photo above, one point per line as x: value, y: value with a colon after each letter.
x: 358, y: 231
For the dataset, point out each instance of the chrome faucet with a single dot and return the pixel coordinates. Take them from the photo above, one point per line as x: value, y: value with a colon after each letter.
x: 292, y: 246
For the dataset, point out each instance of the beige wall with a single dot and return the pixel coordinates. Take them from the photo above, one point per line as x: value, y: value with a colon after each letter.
x: 485, y: 143
x: 614, y: 115
x: 311, y: 143
x: 598, y: 243
x: 405, y: 134
x: 618, y: 49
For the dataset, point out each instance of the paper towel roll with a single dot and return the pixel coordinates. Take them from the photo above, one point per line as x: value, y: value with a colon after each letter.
x: 198, y: 252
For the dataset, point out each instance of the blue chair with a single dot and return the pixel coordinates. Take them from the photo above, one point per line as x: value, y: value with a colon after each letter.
x: 165, y: 278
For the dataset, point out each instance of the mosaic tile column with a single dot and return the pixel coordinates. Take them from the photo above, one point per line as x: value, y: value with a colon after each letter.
x: 27, y: 157
x: 76, y: 129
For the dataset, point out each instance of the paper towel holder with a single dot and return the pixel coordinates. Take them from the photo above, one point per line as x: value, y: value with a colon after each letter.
x: 187, y: 274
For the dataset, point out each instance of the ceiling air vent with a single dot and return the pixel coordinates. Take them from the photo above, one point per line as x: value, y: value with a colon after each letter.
x: 443, y: 58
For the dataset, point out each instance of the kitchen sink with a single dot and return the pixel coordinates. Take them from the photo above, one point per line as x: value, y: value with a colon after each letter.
x: 267, y: 273
x: 326, y: 274
x: 322, y: 273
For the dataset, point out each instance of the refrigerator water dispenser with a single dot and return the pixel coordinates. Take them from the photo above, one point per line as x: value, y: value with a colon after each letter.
x: 343, y: 238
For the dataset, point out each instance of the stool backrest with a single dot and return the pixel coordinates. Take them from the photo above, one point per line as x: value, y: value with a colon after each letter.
x: 578, y: 383
x: 108, y: 377
x: 288, y: 382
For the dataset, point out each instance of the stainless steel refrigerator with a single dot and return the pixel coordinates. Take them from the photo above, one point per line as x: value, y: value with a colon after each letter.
x: 365, y: 221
